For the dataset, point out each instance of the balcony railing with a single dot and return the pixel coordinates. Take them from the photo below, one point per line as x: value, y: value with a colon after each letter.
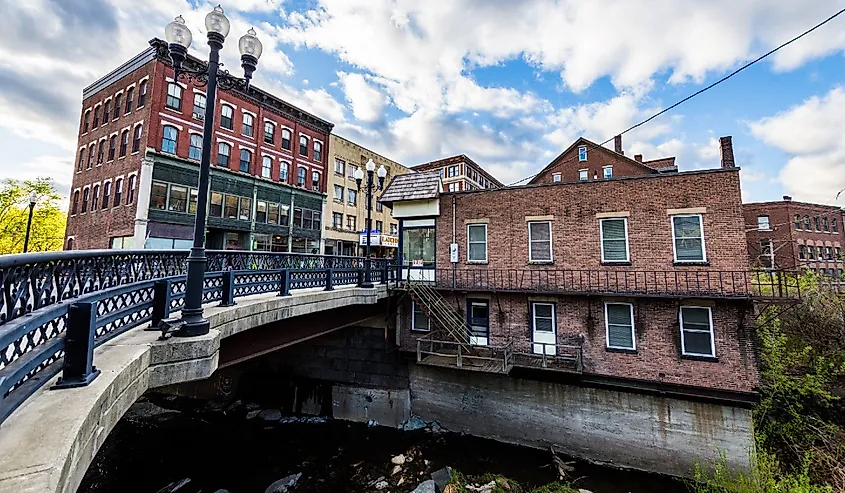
x: 679, y: 283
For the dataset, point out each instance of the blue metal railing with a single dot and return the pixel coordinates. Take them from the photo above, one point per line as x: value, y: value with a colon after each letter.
x: 55, y: 308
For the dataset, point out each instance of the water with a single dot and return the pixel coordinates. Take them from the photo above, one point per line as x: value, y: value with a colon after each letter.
x: 218, y: 450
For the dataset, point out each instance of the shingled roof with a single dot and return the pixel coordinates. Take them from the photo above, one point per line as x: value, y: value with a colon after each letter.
x: 413, y: 186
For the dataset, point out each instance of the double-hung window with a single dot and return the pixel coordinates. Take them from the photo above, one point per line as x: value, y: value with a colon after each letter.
x: 614, y: 240
x: 318, y: 151
x: 246, y: 125
x: 477, y: 243
x: 224, y: 150
x: 337, y: 220
x: 419, y: 320
x: 688, y: 238
x: 339, y: 166
x: 195, y: 151
x: 619, y: 326
x: 269, y: 132
x: 226, y: 115
x: 199, y: 106
x: 301, y: 174
x: 169, y: 138
x: 582, y: 153
x: 174, y: 97
x: 763, y: 223
x: 607, y: 172
x: 285, y: 139
x: 246, y: 160
x: 266, y: 166
x: 583, y: 175
x: 697, y: 331
x: 540, y: 241
x: 352, y: 196
x: 303, y: 145
x: 338, y: 193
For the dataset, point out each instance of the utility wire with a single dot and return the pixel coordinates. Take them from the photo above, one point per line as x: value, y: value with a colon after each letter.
x: 714, y: 84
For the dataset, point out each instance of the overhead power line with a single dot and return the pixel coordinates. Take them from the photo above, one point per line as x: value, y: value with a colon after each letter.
x: 711, y: 86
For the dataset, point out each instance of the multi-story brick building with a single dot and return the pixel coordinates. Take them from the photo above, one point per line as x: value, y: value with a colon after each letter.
x: 460, y: 173
x: 137, y: 166
x: 585, y: 160
x: 346, y: 213
x: 787, y: 234
x: 637, y: 284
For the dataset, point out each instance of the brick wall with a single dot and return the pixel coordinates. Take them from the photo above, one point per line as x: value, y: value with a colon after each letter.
x: 581, y: 321
x: 575, y: 227
x: 568, y: 165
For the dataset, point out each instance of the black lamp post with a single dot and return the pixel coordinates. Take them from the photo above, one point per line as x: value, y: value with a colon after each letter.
x: 359, y: 176
x: 179, y: 38
x: 33, y: 198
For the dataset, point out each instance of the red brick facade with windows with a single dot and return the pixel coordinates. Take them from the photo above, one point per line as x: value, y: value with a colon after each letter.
x: 791, y: 230
x: 569, y: 165
x: 460, y: 173
x: 94, y: 229
x: 648, y: 204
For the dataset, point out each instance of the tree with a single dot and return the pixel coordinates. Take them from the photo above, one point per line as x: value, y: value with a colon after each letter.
x: 48, y: 220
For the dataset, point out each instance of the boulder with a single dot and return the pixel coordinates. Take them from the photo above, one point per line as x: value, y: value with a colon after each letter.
x: 413, y: 424
x: 283, y: 485
x: 396, y: 470
x: 426, y: 487
x: 270, y: 415
x: 398, y: 460
x: 252, y: 414
x: 441, y: 477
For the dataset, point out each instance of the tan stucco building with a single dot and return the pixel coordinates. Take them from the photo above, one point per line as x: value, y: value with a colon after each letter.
x: 346, y: 213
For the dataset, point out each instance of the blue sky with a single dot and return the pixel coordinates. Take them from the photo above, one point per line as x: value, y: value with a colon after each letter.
x: 508, y: 83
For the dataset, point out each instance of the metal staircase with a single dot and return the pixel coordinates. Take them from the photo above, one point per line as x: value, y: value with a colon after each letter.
x: 441, y: 313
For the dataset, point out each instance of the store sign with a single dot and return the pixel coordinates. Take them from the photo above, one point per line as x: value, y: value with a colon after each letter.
x: 378, y: 239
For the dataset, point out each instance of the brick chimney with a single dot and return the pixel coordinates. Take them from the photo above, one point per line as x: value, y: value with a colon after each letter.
x: 617, y: 145
x: 638, y: 158
x: 726, y: 152
x: 787, y: 198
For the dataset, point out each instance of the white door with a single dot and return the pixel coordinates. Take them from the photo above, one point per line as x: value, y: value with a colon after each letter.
x: 544, y: 328
x: 479, y: 323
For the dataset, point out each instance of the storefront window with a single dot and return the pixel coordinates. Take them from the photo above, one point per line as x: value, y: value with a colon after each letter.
x: 231, y: 211
x: 158, y: 196
x: 418, y: 246
x: 233, y: 241
x: 261, y: 242
x: 261, y: 212
x: 273, y: 214
x: 192, y: 205
x: 304, y: 245
x: 178, y: 198
x: 246, y: 209
x: 285, y: 218
x: 215, y: 209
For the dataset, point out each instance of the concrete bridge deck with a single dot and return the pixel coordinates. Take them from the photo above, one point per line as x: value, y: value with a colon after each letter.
x: 47, y: 444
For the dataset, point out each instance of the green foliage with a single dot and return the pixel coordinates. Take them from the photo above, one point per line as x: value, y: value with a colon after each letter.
x: 764, y: 476
x: 48, y: 220
x: 505, y: 485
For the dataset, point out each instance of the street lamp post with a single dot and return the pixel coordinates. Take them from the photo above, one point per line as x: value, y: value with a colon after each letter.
x: 33, y: 198
x: 359, y: 176
x: 179, y: 37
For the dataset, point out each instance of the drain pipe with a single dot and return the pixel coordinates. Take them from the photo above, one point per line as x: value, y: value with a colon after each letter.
x: 454, y: 237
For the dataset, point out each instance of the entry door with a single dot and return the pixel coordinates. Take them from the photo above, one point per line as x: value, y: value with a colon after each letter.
x: 544, y: 328
x: 478, y: 313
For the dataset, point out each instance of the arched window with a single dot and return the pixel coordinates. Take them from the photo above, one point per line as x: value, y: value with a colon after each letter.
x: 96, y: 117
x: 318, y: 151
x: 106, y: 112
x: 797, y: 222
x: 269, y: 132
x: 283, y: 171
x: 833, y: 227
x: 246, y: 159
x: 285, y: 139
x: 315, y: 181
x: 199, y: 106
x: 124, y: 142
x: 74, y: 207
x: 118, y: 191
x: 303, y: 145
x: 86, y: 121
x: 118, y: 103
x: 246, y: 126
x: 69, y: 244
x: 112, y: 147
x: 195, y: 151
x: 226, y: 114
x: 91, y: 149
x: 130, y: 193
x: 106, y: 194
x: 136, y: 138
x: 174, y: 97
x: 81, y: 161
x: 101, y: 152
x: 168, y: 139
x: 142, y: 94
x: 301, y: 173
x: 266, y: 166
x: 95, y: 197
x: 224, y: 150
x: 130, y: 93
x: 807, y: 226
x: 86, y: 194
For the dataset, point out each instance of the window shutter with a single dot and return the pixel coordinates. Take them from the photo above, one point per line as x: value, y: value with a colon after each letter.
x: 615, y: 243
x: 619, y: 326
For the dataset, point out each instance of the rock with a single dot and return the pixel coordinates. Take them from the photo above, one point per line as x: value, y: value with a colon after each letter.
x: 413, y: 424
x: 426, y: 462
x: 222, y: 491
x: 251, y: 406
x: 400, y: 482
x: 252, y: 414
x: 233, y: 406
x: 371, y: 423
x: 436, y: 428
x: 396, y: 470
x: 175, y: 486
x: 582, y: 490
x: 441, y: 477
x: 452, y: 488
x: 284, y: 484
x: 426, y: 487
x: 315, y: 420
x: 398, y: 460
x: 270, y: 415
x: 486, y: 488
x: 381, y: 485
x: 503, y: 483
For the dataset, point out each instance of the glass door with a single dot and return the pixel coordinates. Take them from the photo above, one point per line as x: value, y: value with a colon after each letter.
x: 478, y: 313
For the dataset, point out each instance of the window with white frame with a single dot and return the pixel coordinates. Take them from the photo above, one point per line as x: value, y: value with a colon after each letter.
x: 338, y: 193
x: 540, y: 241
x: 556, y: 177
x: 266, y: 166
x: 614, y: 240
x: 697, y: 331
x: 269, y: 132
x: 283, y: 171
x: 619, y: 325
x: 286, y: 139
x: 318, y: 151
x: 607, y: 172
x: 763, y: 223
x: 582, y: 153
x: 195, y: 150
x: 688, y: 238
x: 476, y: 242
x: 174, y: 97
x: 247, y: 125
x: 227, y: 114
x: 199, y: 106
x: 543, y: 317
x: 419, y: 320
x: 339, y: 166
x: 583, y: 174
x: 453, y: 187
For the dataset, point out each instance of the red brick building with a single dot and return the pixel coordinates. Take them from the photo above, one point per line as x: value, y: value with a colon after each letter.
x: 460, y: 173
x: 585, y: 160
x: 636, y: 282
x: 139, y: 147
x: 789, y: 235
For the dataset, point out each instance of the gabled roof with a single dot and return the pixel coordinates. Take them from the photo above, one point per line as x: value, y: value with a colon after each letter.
x: 413, y: 186
x: 460, y: 158
x: 661, y: 167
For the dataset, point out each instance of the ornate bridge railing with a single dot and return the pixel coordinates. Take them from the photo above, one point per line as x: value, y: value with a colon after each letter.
x: 55, y: 308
